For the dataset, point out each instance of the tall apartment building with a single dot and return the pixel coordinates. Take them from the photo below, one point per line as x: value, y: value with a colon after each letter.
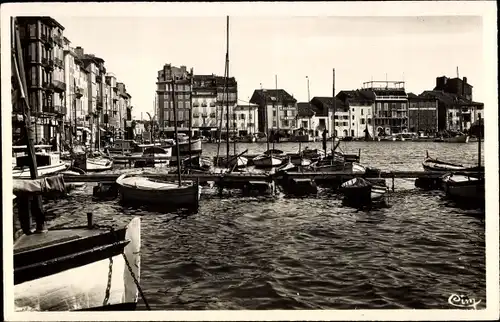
x: 244, y: 119
x: 390, y: 113
x: 124, y: 109
x: 183, y: 85
x: 77, y: 99
x: 204, y: 103
x: 42, y: 51
x: 111, y: 118
x: 226, y: 98
x: 280, y: 108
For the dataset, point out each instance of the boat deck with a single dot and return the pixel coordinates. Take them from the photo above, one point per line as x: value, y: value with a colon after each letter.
x: 53, y: 237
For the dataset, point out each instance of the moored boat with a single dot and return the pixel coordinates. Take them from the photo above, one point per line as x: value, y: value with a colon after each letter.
x: 48, y: 163
x: 155, y: 156
x: 266, y: 161
x: 457, y: 139
x: 93, y: 163
x: 435, y: 165
x: 359, y: 191
x: 464, y: 188
x: 144, y: 190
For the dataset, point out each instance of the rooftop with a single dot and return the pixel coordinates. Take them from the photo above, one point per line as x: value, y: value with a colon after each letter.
x: 449, y: 98
x: 304, y: 110
x: 271, y: 95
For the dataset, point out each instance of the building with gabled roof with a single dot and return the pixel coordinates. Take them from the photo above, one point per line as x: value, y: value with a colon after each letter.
x: 277, y: 110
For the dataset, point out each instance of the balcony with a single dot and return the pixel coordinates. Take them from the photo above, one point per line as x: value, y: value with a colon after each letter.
x: 288, y: 117
x: 204, y: 115
x: 58, y: 86
x: 48, y: 63
x: 196, y: 115
x: 48, y: 87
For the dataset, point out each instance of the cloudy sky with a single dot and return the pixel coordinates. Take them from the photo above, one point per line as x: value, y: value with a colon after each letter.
x: 415, y: 49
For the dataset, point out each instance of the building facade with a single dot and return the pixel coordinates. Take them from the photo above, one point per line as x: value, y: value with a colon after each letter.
x: 76, y: 100
x: 390, y: 112
x: 183, y: 86
x: 359, y: 107
x: 226, y: 99
x: 42, y: 51
x: 422, y: 114
x: 277, y: 110
x: 204, y: 104
x: 456, y: 109
x: 245, y: 119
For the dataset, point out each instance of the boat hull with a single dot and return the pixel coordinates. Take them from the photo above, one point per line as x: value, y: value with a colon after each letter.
x: 24, y: 173
x: 84, y: 287
x: 196, y: 147
x: 457, y: 139
x: 185, y: 196
x: 96, y: 165
x: 266, y: 162
x: 464, y: 188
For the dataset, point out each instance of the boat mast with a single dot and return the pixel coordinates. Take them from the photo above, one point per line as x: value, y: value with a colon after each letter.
x: 190, y: 116
x: 479, y: 146
x: 34, y: 205
x: 176, y: 132
x: 334, y: 110
x: 226, y: 88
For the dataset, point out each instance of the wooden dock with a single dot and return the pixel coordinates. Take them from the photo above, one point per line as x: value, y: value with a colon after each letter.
x: 247, y: 177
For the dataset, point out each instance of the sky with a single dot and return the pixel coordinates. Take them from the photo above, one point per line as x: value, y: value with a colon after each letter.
x: 289, y: 48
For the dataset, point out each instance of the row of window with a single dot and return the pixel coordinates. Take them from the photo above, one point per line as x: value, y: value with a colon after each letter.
x: 285, y: 113
x: 285, y: 123
x: 393, y: 106
x: 178, y: 87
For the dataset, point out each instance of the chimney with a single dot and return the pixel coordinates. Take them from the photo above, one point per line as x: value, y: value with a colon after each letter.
x: 79, y: 51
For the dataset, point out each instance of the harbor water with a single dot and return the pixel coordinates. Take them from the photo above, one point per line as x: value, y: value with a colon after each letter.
x: 307, y: 253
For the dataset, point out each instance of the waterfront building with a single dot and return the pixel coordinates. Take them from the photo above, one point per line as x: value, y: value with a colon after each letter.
x: 304, y: 118
x: 456, y: 109
x: 204, y: 104
x: 76, y: 100
x: 42, y: 51
x: 356, y: 108
x: 124, y: 112
x: 245, y: 119
x: 281, y: 110
x: 422, y: 114
x: 111, y: 119
x: 183, y: 79
x: 390, y: 111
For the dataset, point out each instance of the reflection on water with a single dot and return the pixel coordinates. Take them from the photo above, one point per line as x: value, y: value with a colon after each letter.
x: 307, y: 253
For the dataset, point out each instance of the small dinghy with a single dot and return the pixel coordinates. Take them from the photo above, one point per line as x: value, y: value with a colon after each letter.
x: 143, y: 190
x: 361, y: 192
x: 266, y: 161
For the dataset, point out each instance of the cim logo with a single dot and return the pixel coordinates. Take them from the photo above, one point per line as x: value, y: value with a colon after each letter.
x: 463, y: 301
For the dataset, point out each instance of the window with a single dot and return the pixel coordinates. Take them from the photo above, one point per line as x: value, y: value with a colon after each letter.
x: 451, y: 114
x: 386, y: 106
x: 274, y: 123
x: 478, y: 115
x: 34, y: 78
x: 180, y: 116
x: 304, y: 124
x: 352, y: 132
x: 369, y: 121
x: 285, y: 113
x: 362, y: 121
x: 242, y: 116
x: 32, y: 31
x: 353, y: 117
x: 285, y: 122
x: 362, y: 111
x: 403, y: 106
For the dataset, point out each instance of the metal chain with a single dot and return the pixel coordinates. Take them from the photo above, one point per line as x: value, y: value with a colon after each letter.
x: 136, y: 282
x: 112, y: 229
x: 108, y: 287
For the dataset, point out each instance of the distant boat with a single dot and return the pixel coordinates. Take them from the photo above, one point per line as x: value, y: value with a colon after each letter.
x: 142, y: 190
x: 343, y: 167
x: 435, y: 165
x: 239, y: 162
x: 48, y: 163
x: 161, y: 157
x: 464, y: 187
x: 455, y: 139
x: 360, y: 191
x: 94, y: 163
